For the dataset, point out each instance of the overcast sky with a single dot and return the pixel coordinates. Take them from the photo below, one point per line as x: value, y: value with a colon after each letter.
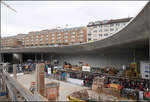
x: 38, y: 15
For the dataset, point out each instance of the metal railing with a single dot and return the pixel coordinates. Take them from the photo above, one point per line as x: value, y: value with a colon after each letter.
x: 15, y: 88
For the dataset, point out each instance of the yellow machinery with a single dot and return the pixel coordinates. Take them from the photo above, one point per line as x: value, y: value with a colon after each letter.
x: 132, y: 72
x: 72, y: 99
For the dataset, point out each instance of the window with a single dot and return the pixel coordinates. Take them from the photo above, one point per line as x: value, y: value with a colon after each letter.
x: 111, y: 25
x: 58, y: 35
x: 73, y: 36
x: 118, y: 24
x: 73, y: 33
x: 105, y: 25
x: 89, y: 38
x: 53, y: 35
x: 124, y: 23
x: 65, y: 36
x: 81, y: 32
x: 106, y: 34
x: 53, y: 41
x: 46, y: 38
x: 111, y: 29
x: 94, y: 31
x: 65, y: 40
x: 89, y: 34
x: 80, y: 35
x: 101, y: 26
x: 59, y: 40
x: 100, y: 35
x: 116, y: 29
x: 100, y: 30
x: 41, y: 39
x: 66, y: 33
x: 106, y: 30
x: 94, y: 26
x: 81, y: 38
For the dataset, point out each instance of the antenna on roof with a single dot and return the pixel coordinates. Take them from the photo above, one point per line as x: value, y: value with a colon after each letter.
x: 128, y: 16
x: 66, y: 25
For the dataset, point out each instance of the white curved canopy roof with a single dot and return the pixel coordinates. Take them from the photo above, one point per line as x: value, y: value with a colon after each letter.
x: 134, y: 35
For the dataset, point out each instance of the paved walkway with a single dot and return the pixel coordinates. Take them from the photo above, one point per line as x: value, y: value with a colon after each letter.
x: 64, y: 90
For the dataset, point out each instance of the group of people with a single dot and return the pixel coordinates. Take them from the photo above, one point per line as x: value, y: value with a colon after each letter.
x: 133, y: 84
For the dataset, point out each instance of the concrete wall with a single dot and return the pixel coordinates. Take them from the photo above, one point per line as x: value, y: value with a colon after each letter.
x: 113, y: 59
x: 101, y: 60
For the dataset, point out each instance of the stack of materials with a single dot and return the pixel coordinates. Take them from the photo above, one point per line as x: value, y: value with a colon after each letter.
x: 112, y: 71
x: 89, y: 96
x: 98, y: 84
x: 80, y: 96
x: 52, y: 91
x: 76, y: 68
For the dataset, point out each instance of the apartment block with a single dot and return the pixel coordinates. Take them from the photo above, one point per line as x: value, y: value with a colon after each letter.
x: 10, y: 42
x: 47, y: 37
x: 99, y: 30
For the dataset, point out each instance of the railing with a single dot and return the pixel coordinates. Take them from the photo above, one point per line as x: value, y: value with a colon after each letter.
x: 15, y: 88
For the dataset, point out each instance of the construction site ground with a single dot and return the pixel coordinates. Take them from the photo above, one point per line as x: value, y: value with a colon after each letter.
x: 64, y: 90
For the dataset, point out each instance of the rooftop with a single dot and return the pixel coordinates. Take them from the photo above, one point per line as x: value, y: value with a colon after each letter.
x: 109, y: 21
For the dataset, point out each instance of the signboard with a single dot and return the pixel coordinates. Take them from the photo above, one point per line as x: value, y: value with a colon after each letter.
x: 49, y: 71
x: 145, y: 69
x: 86, y: 68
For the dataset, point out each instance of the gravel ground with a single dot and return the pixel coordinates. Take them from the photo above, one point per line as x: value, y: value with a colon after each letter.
x: 64, y: 90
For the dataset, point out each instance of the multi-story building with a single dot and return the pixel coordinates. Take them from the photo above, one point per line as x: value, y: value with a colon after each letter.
x: 56, y: 37
x: 102, y: 29
x: 48, y: 37
x: 10, y: 42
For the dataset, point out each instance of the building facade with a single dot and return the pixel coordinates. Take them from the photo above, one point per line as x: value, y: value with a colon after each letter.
x: 10, y: 42
x: 54, y: 37
x: 99, y: 30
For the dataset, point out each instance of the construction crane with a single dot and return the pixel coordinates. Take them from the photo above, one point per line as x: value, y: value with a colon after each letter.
x: 8, y: 6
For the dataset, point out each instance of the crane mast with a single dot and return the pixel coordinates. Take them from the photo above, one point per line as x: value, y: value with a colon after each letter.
x: 8, y: 6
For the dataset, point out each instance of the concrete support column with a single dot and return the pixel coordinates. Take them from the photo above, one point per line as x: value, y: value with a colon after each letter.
x: 15, y: 71
x: 149, y: 47
x: 40, y: 81
x: 17, y: 58
x: 0, y: 58
x: 3, y: 58
x: 35, y: 56
x: 41, y: 56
